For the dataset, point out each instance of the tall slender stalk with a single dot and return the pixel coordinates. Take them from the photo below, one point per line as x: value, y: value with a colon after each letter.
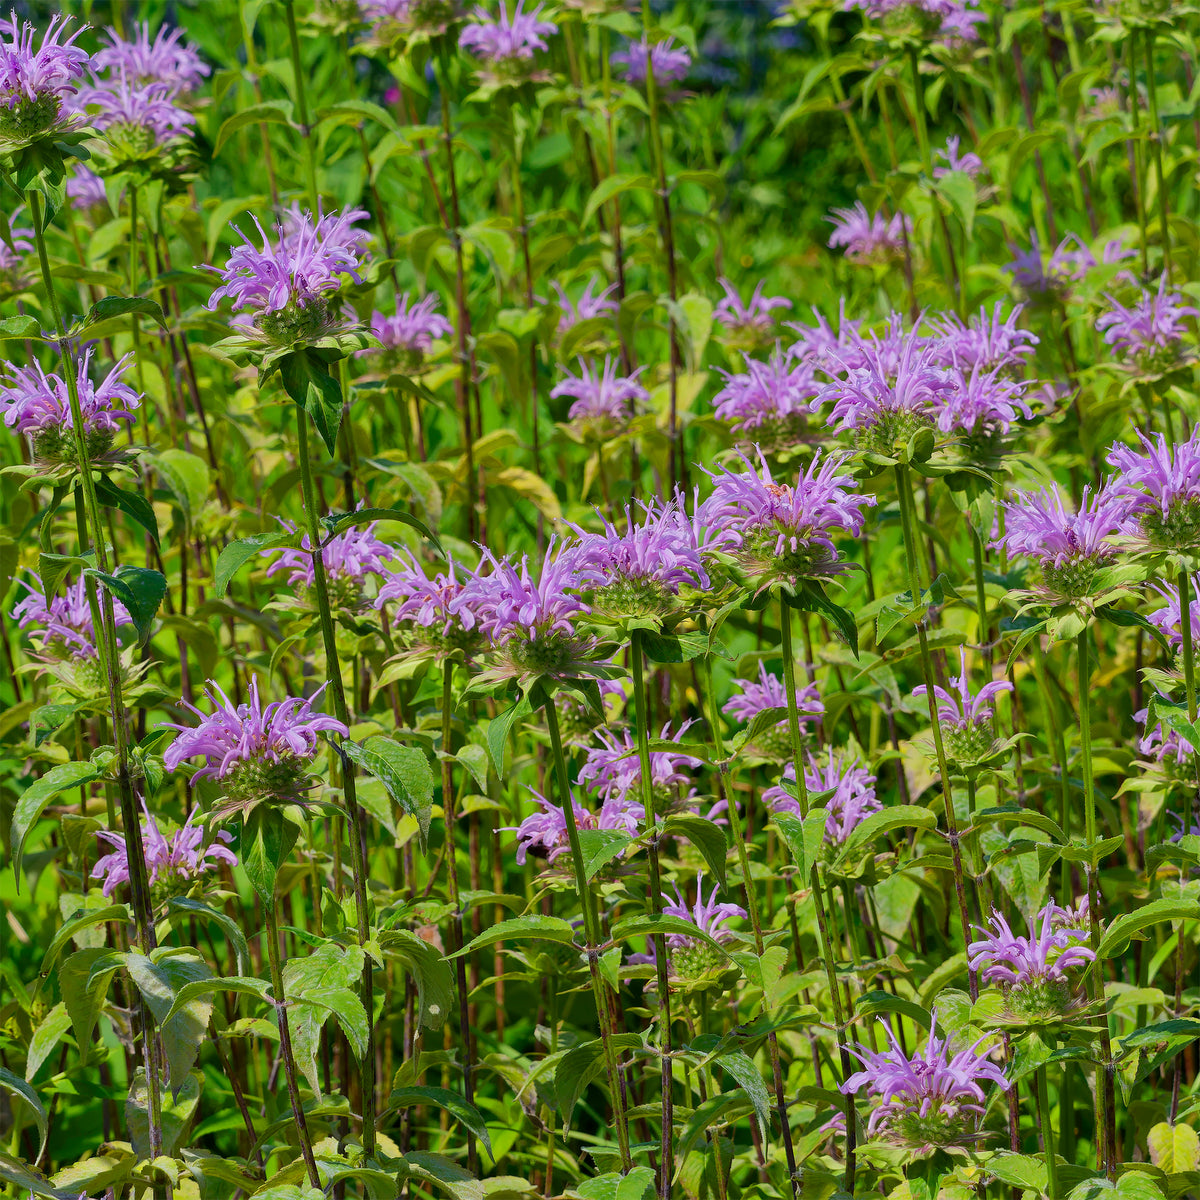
x: 591, y: 926
x: 1156, y: 136
x: 1043, y: 1107
x: 306, y: 139
x: 660, y: 941
x: 908, y: 522
x: 1189, y: 650
x: 361, y: 867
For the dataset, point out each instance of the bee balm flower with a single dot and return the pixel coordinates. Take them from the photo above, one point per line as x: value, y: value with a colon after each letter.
x: 34, y: 83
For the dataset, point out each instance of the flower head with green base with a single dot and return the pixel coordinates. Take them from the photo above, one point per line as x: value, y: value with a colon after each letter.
x: 850, y: 794
x: 35, y: 83
x: 432, y: 611
x: 60, y: 627
x: 966, y: 718
x: 1161, y: 487
x: 350, y: 558
x: 141, y: 124
x: 166, y: 59
x: 256, y: 753
x: 767, y: 692
x: 691, y: 957
x: 1148, y: 335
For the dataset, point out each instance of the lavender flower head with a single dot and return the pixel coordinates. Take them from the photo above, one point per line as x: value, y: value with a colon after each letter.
x: 507, y: 44
x: 853, y: 796
x: 137, y: 118
x: 1168, y: 621
x: 1050, y: 282
x: 981, y: 404
x: 771, y: 398
x: 349, y: 559
x: 61, y: 628
x: 34, y: 83
x: 749, y: 323
x: 1161, y: 488
x: 408, y: 335
x: 614, y: 771
x: 966, y: 719
x: 588, y: 307
x: 691, y: 958
x: 435, y: 613
x: 969, y: 164
x: 670, y: 62
x: 926, y: 1101
x: 1162, y: 745
x: 284, y: 291
x: 1035, y: 971
x: 256, y: 753
x: 603, y: 399
x: 784, y: 532
x: 992, y: 342
x: 544, y: 834
x: 168, y: 59
x: 953, y: 20
x: 1148, y: 334
x: 642, y: 567
x: 37, y: 404
x: 86, y: 189
x: 173, y: 864
x: 870, y: 241
x: 1069, y: 547
x: 766, y: 692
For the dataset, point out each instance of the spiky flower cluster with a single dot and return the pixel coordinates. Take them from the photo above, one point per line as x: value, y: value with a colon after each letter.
x: 173, y: 864
x: 969, y: 164
x: 588, y: 307
x: 953, y: 20
x: 614, y: 770
x: 767, y: 692
x: 1149, y: 333
x: 544, y: 833
x: 256, y: 753
x: 966, y: 719
x: 284, y: 290
x: 691, y: 958
x: 60, y: 627
x: 35, y: 83
x: 926, y: 1101
x: 438, y: 614
x: 138, y: 118
x: 771, y: 399
x: 167, y: 60
x: 1167, y: 620
x: 408, y: 334
x: 506, y: 43
x: 349, y: 558
x: 670, y: 62
x: 868, y: 240
x: 37, y: 404
x: 850, y: 793
x: 603, y: 399
x: 1161, y: 487
x: 748, y: 324
x: 1036, y: 973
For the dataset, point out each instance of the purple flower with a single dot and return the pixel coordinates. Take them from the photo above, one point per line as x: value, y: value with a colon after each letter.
x: 891, y: 387
x: 926, y: 1099
x: 587, y: 307
x: 1161, y: 743
x: 1161, y: 488
x: 409, y: 334
x: 36, y: 404
x: 1167, y: 619
x: 751, y: 317
x: 504, y: 41
x: 1149, y: 333
x: 544, y: 834
x: 614, y: 771
x: 33, y: 83
x: 641, y: 567
x: 816, y: 342
x: 969, y: 164
x: 61, y: 627
x: 867, y: 239
x: 991, y: 342
x: 602, y: 400
x: 349, y: 558
x: 767, y: 692
x: 981, y: 404
x: 952, y: 19
x: 143, y: 113
x: 1069, y: 263
x: 393, y: 19
x: 670, y: 62
x: 853, y: 794
x: 1069, y: 546
x: 85, y: 188
x: 441, y: 610
x: 285, y: 288
x: 1026, y: 963
x: 12, y: 258
x: 168, y: 59
x: 173, y: 862
x: 788, y: 528
x: 254, y: 751
x: 777, y: 393
x: 960, y: 710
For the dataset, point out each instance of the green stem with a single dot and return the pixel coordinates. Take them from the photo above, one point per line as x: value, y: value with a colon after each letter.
x: 827, y: 956
x: 333, y: 668
x: 908, y: 522
x: 1189, y: 651
x: 310, y: 161
x: 1136, y: 157
x: 1043, y: 1106
x: 290, y: 1074
x: 660, y: 942
x: 591, y: 926
x: 1156, y: 134
x: 981, y: 599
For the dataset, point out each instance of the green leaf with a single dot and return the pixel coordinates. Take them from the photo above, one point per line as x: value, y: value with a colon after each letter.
x: 84, y: 989
x: 435, y: 983
x: 708, y: 838
x: 267, y: 839
x: 178, y: 1109
x: 676, y: 648
x: 231, y: 929
x: 186, y: 477
x: 612, y: 186
x: 140, y: 589
x: 308, y: 381
x: 499, y: 729
x: 18, y: 1087
x: 200, y: 989
x: 132, y: 504
x: 28, y: 1179
x: 120, y: 306
x: 1174, y: 1148
x: 724, y: 1107
x: 600, y: 847
x: 20, y: 327
x: 652, y: 924
x: 581, y: 1065
x: 519, y: 929
x: 181, y: 1026
x: 1127, y: 618
x: 1116, y: 936
x: 52, y: 567
x: 236, y: 554
x: 340, y: 522
x: 810, y: 597
x: 465, y: 1114
x: 37, y: 796
x: 803, y: 837
x: 318, y: 987
x: 404, y: 771
x: 1019, y: 1171
x: 899, y: 816
x: 1014, y: 814
x: 277, y: 113
x: 46, y: 1036
x: 740, y: 1066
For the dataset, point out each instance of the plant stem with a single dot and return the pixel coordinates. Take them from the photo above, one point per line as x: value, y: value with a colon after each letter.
x: 591, y: 926
x: 908, y: 522
x: 1043, y: 1107
x: 660, y: 941
x: 1189, y: 651
x: 310, y: 161
x: 789, y: 685
x: 1156, y: 134
x: 290, y: 1074
x: 333, y: 670
x: 981, y: 599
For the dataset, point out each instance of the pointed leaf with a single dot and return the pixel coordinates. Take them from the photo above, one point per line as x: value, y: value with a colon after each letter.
x: 37, y: 796
x: 404, y: 771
